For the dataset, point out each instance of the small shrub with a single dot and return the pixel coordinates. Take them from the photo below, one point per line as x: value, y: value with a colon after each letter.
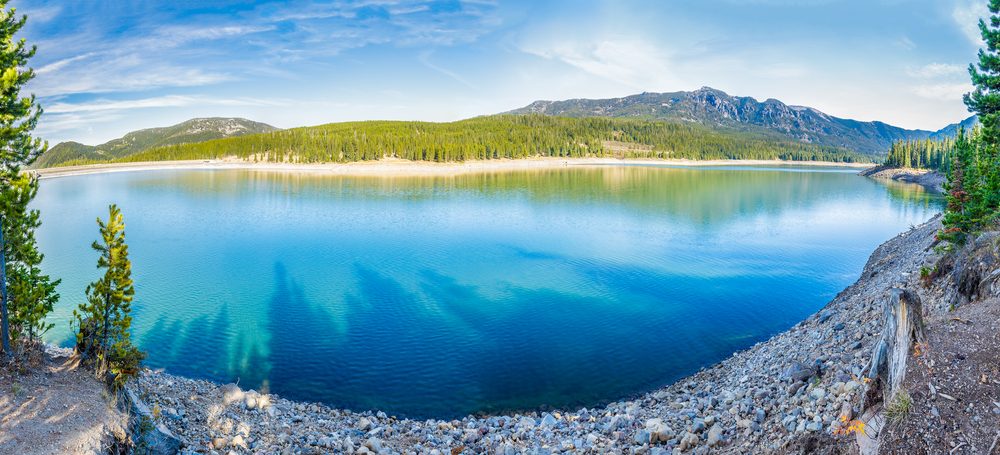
x: 927, y: 275
x: 898, y: 408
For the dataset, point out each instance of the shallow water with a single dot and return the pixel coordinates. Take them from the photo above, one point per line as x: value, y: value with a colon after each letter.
x: 443, y: 296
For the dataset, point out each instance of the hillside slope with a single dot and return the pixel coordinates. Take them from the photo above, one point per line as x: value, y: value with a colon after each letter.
x: 194, y: 130
x: 498, y: 137
x: 715, y: 108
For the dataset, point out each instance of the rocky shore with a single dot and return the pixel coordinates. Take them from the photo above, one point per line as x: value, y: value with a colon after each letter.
x: 932, y: 180
x: 789, y: 393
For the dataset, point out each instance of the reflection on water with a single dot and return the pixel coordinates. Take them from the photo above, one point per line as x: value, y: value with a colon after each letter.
x: 441, y: 296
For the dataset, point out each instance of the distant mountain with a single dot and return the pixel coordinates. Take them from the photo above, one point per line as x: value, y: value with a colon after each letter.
x: 194, y: 130
x: 715, y: 108
x: 952, y: 130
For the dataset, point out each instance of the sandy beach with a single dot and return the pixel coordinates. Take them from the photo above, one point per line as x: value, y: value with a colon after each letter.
x: 405, y: 168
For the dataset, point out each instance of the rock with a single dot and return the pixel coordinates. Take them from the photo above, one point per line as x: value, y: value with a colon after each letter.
x: 231, y: 393
x: 794, y: 387
x: 374, y: 444
x: 527, y: 423
x: 817, y: 393
x: 238, y: 442
x: 250, y: 401
x: 814, y: 426
x: 825, y: 315
x: 688, y: 441
x: 471, y: 436
x: 846, y: 412
x: 658, y: 431
x: 697, y: 426
x: 364, y: 424
x: 851, y: 386
x: 642, y: 437
x: 798, y: 372
x: 548, y: 421
x: 714, y: 435
x: 840, y: 326
x: 219, y: 443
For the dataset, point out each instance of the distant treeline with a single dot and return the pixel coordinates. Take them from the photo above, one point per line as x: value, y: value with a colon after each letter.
x: 496, y: 137
x: 921, y: 154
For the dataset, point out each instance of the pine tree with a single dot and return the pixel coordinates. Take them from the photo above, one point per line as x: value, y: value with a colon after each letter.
x: 985, y: 101
x: 962, y: 177
x: 103, y: 321
x: 19, y: 256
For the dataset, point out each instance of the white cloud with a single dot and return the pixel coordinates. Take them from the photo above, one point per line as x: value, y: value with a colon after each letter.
x: 156, y: 102
x: 936, y: 70
x: 60, y: 64
x: 967, y: 14
x: 629, y: 61
x: 40, y: 14
x: 942, y: 92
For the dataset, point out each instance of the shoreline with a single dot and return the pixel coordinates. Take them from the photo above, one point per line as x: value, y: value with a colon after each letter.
x: 932, y: 180
x: 799, y: 384
x: 392, y: 167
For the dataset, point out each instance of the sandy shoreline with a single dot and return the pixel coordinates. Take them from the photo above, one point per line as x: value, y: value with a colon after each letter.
x: 405, y: 168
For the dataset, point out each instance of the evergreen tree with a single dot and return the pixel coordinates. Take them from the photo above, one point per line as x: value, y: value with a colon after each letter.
x: 103, y: 337
x: 985, y: 101
x: 962, y: 178
x: 24, y: 291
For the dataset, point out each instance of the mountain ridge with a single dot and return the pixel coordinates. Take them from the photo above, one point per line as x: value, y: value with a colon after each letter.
x: 194, y: 130
x: 716, y: 108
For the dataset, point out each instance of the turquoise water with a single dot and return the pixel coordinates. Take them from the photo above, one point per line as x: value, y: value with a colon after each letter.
x: 443, y: 296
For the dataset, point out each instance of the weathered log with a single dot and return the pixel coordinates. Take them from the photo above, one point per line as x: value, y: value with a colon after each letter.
x: 904, y: 328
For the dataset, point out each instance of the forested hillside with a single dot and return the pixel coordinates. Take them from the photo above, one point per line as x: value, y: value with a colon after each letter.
x: 194, y: 130
x: 494, y: 137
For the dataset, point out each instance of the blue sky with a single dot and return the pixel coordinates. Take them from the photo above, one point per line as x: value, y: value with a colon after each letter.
x: 108, y: 67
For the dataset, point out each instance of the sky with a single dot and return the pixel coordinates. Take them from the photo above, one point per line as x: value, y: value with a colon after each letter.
x: 108, y: 67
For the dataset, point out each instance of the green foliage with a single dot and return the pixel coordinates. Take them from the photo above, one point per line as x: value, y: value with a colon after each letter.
x: 27, y: 294
x: 496, y: 137
x: 925, y: 154
x: 898, y: 408
x: 103, y: 321
x: 194, y: 130
x: 974, y: 181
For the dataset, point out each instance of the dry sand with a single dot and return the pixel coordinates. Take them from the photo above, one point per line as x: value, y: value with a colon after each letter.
x: 406, y: 168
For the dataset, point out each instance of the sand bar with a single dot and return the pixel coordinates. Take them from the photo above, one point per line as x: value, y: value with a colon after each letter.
x: 406, y: 168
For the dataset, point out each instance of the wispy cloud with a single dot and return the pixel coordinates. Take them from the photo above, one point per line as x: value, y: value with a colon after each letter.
x: 425, y: 58
x: 630, y: 61
x: 936, y: 70
x: 966, y: 15
x: 942, y: 92
x: 155, y: 102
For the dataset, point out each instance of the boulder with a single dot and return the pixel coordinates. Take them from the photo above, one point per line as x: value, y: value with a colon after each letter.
x: 231, y: 393
x: 798, y: 372
x: 658, y: 431
x: 714, y: 435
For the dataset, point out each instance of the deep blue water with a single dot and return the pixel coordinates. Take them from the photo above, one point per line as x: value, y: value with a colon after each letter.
x: 443, y: 296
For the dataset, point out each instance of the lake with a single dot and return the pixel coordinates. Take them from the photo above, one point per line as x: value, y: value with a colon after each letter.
x: 444, y: 296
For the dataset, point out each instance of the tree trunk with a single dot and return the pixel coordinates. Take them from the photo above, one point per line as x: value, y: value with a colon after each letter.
x: 904, y: 327
x: 4, y: 325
